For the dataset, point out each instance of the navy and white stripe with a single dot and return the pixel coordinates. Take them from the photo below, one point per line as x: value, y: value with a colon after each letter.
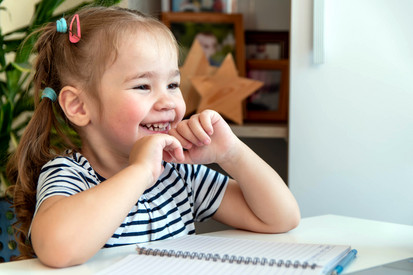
x: 182, y: 195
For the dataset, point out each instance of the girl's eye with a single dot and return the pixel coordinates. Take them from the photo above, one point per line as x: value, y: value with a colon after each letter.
x: 142, y: 87
x: 173, y: 86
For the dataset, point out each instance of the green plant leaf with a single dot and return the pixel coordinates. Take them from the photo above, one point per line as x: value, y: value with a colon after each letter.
x: 44, y: 11
x: 24, y: 50
x: 6, y: 120
x: 11, y: 45
x: 106, y: 3
x: 23, y: 84
x: 22, y: 30
x: 2, y: 51
x: 24, y: 67
x: 3, y: 90
x: 12, y: 80
x: 20, y: 126
x: 6, y: 112
x: 23, y: 104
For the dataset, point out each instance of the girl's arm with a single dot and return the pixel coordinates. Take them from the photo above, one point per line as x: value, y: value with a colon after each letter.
x: 256, y: 198
x: 68, y: 231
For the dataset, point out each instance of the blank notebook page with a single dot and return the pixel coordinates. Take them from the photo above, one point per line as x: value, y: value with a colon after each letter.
x: 169, y: 255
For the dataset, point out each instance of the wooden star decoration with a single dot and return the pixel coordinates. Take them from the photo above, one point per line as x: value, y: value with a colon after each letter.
x: 225, y: 91
x: 196, y: 64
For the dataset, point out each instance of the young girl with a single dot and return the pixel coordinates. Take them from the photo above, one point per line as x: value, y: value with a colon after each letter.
x: 112, y: 75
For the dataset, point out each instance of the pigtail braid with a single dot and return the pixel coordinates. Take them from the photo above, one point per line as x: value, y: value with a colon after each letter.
x: 35, y: 148
x: 32, y: 153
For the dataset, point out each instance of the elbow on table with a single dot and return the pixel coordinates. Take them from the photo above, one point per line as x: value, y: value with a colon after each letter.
x: 285, y: 223
x: 59, y: 256
x: 292, y: 221
x: 292, y: 217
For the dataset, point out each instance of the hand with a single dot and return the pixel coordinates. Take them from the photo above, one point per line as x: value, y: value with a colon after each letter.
x: 206, y: 137
x: 151, y: 150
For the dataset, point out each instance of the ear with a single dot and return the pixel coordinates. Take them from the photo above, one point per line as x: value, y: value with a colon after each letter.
x: 73, y: 105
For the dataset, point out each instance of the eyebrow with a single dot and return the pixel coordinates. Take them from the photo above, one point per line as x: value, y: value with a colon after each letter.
x: 139, y: 75
x: 150, y: 74
x: 176, y: 73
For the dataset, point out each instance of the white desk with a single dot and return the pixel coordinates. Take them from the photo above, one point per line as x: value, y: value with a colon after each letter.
x: 376, y: 242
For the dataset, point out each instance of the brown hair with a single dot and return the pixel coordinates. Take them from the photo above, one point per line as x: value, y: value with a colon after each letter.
x: 59, y: 63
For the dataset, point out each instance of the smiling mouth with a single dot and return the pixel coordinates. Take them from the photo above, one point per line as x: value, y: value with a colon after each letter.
x: 157, y: 127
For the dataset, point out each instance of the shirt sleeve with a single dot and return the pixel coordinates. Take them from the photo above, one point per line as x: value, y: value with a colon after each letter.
x: 208, y: 190
x: 62, y: 176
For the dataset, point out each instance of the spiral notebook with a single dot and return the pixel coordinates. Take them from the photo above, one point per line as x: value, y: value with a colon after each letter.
x: 198, y: 254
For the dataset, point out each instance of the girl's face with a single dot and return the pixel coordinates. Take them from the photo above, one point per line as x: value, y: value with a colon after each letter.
x: 139, y: 93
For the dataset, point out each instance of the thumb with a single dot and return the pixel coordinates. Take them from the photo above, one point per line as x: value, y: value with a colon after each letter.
x: 173, y: 150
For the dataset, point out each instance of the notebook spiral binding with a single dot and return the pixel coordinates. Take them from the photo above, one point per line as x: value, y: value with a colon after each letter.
x: 224, y: 258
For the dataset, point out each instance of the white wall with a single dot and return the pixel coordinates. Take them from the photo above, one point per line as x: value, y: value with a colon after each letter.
x: 351, y: 119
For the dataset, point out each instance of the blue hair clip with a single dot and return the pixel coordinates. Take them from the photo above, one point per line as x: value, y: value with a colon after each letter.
x: 61, y: 25
x: 49, y: 93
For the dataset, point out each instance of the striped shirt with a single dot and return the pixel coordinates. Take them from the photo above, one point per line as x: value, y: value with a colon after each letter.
x: 183, y: 194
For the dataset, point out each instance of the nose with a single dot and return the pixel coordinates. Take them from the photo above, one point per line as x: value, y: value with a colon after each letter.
x: 164, y: 102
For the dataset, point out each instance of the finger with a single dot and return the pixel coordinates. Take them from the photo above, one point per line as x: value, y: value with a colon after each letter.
x: 186, y: 130
x: 198, y: 130
x: 178, y: 154
x: 168, y: 157
x: 173, y: 149
x: 205, y: 119
x: 184, y: 142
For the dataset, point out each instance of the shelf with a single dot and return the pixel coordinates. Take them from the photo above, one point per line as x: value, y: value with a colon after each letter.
x: 254, y: 130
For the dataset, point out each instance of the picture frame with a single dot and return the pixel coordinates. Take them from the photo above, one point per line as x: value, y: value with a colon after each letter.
x: 276, y: 44
x: 225, y: 6
x: 270, y: 103
x: 267, y: 54
x: 220, y: 34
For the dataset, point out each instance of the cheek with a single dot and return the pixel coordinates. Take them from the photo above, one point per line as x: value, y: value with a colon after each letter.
x: 180, y: 108
x: 132, y: 110
x: 126, y: 116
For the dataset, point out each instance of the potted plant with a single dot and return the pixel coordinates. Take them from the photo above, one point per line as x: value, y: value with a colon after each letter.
x: 16, y: 101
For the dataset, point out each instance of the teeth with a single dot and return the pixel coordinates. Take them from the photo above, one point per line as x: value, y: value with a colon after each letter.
x: 157, y: 126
